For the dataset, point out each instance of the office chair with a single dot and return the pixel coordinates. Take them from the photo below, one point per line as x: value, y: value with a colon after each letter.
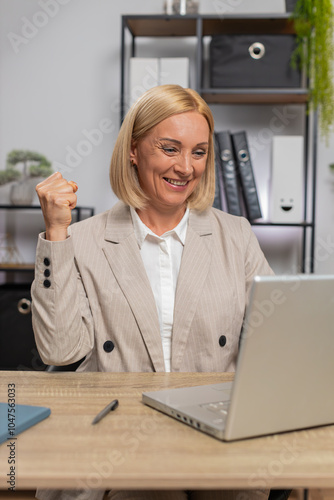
x: 65, y: 368
x: 279, y: 494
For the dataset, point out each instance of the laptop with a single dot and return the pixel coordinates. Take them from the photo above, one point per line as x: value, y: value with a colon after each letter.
x: 285, y: 369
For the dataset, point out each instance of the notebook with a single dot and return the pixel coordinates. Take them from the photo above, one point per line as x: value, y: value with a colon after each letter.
x: 13, y: 423
x: 285, y: 370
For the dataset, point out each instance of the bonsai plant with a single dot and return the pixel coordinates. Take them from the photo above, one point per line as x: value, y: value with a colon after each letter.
x: 32, y: 165
x: 8, y: 175
x: 314, y: 25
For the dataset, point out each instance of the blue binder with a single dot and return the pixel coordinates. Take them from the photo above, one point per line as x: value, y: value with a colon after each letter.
x: 13, y: 423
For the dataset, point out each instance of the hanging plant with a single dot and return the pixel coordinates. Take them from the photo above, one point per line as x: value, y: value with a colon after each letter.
x: 314, y: 25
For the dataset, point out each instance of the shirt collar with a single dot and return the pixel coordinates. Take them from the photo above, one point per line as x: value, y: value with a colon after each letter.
x: 141, y: 230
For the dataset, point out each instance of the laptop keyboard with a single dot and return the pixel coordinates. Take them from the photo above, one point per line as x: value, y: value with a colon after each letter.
x: 219, y: 407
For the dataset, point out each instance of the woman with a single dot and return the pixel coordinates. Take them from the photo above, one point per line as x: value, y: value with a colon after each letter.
x: 160, y: 282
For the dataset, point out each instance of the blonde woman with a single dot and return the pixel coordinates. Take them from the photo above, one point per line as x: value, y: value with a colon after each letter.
x: 160, y: 281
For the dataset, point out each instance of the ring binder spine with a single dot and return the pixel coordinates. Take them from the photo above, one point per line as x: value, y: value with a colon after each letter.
x: 229, y: 173
x: 246, y: 175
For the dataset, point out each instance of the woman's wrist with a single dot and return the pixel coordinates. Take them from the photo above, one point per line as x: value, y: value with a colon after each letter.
x: 56, y: 234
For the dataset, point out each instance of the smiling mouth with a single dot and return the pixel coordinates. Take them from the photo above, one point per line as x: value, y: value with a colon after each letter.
x: 176, y: 183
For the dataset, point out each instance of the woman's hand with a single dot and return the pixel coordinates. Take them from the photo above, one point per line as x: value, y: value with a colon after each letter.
x: 57, y: 198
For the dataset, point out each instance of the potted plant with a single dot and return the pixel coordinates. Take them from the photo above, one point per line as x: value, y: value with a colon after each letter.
x: 314, y: 26
x: 8, y: 175
x: 23, y: 170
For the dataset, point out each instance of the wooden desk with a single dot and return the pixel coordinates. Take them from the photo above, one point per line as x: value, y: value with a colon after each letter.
x: 138, y: 447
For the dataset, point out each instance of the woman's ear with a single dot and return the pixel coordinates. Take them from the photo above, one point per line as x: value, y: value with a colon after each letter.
x: 133, y: 154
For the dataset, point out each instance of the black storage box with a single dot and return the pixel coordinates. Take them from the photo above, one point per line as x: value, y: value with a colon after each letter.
x: 18, y: 349
x: 290, y: 5
x: 241, y: 61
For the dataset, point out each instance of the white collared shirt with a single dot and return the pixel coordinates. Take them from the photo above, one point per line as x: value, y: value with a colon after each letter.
x: 162, y: 259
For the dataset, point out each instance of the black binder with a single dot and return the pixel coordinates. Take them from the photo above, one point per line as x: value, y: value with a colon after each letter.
x: 229, y: 172
x: 246, y: 175
x: 217, y: 202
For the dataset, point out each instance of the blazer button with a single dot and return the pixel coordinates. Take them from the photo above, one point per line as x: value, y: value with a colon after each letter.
x: 108, y: 346
x: 46, y: 261
x: 222, y: 341
x: 47, y: 283
x: 47, y: 273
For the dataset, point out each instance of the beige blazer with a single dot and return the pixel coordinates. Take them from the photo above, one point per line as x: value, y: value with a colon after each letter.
x: 91, y: 295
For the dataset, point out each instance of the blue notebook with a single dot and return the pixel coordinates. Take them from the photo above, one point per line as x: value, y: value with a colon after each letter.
x: 13, y: 423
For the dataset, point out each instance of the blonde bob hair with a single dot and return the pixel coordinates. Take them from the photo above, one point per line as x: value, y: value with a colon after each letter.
x: 151, y: 108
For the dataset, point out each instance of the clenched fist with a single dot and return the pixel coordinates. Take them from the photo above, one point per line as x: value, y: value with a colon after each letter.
x: 57, y: 198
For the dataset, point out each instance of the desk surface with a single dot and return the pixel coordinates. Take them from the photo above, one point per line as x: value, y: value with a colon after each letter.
x: 138, y: 447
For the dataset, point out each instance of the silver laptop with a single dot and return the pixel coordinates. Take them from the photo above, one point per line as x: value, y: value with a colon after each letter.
x: 285, y: 372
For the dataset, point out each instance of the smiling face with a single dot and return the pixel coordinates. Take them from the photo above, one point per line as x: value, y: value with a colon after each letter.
x: 171, y: 160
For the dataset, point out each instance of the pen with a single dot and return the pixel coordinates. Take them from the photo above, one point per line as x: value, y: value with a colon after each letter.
x: 110, y: 407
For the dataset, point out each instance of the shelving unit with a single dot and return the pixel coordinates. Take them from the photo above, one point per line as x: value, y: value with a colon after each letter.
x: 20, y: 267
x: 19, y: 351
x: 200, y: 26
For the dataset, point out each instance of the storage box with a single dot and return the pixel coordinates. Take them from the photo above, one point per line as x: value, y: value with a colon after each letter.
x: 18, y: 349
x: 174, y: 70
x: 290, y: 5
x: 241, y: 61
x: 148, y: 72
x: 247, y: 7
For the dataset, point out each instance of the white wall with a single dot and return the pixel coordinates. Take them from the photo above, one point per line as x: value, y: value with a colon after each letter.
x: 61, y: 81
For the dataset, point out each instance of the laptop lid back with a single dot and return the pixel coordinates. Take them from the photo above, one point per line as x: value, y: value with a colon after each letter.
x: 285, y: 373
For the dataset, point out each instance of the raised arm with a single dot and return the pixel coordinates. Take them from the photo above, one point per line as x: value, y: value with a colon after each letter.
x: 61, y: 314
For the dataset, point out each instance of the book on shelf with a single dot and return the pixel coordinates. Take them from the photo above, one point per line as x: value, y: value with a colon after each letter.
x: 229, y: 177
x: 246, y: 175
x: 217, y: 202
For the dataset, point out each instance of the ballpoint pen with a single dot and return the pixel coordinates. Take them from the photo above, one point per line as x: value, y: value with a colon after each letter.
x: 110, y: 407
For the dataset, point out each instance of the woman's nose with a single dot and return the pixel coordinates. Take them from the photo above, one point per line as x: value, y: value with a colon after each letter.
x: 183, y: 165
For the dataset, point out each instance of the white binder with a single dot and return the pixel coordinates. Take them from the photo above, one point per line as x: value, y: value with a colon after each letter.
x: 287, y: 179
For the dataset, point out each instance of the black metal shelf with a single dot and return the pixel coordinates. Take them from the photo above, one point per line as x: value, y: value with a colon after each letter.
x: 155, y: 25
x: 26, y: 268
x: 255, y: 95
x: 199, y: 26
x: 78, y: 209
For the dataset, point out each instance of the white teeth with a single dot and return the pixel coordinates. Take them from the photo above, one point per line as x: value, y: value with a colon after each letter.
x: 176, y: 183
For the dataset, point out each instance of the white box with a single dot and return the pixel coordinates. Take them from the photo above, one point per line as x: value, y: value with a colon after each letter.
x: 287, y: 179
x: 148, y: 72
x: 247, y: 6
x: 174, y: 70
x: 143, y: 75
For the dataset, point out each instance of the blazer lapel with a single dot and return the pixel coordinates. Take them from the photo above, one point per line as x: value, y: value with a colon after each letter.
x: 195, y: 264
x: 125, y: 261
